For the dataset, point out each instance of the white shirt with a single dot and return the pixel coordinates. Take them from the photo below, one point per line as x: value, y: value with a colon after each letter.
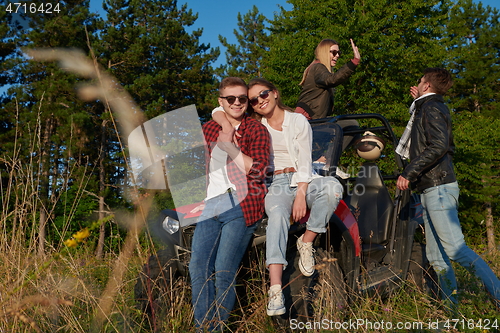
x: 280, y: 158
x: 218, y: 180
x: 297, y: 134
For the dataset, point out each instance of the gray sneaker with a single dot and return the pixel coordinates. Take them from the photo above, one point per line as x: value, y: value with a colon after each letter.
x: 306, y: 260
x: 276, y: 305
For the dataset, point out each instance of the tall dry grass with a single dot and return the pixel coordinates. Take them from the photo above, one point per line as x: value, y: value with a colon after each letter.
x: 64, y: 288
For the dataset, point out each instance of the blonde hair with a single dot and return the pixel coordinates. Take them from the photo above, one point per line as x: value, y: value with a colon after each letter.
x: 321, y: 55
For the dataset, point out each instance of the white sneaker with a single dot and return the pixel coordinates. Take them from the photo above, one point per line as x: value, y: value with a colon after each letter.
x: 276, y: 305
x: 306, y: 260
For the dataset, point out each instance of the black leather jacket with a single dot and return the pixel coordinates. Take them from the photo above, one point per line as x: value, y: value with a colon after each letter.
x: 432, y: 147
x: 317, y: 92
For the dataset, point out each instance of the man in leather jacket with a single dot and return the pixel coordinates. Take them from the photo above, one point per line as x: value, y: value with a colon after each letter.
x: 430, y: 172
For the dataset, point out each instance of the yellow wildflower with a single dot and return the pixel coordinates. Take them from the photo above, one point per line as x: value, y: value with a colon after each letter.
x: 71, y: 242
x: 82, y: 234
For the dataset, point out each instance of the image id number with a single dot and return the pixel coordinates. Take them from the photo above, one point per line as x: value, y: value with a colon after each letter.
x: 32, y: 8
x: 462, y: 324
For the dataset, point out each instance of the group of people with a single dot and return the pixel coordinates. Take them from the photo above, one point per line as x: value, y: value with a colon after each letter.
x: 259, y: 153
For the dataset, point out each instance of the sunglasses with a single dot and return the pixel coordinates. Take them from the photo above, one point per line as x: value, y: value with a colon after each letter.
x: 231, y: 99
x: 263, y: 94
x: 335, y: 52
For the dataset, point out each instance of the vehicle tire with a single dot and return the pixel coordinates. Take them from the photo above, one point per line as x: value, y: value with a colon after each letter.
x: 156, y: 285
x: 298, y: 292
x: 307, y: 296
x: 331, y: 290
x: 421, y: 273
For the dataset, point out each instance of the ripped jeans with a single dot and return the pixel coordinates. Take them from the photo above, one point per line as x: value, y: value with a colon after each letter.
x: 322, y: 197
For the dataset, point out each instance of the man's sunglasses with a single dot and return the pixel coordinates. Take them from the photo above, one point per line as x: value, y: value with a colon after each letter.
x: 335, y: 52
x: 263, y: 94
x: 231, y: 99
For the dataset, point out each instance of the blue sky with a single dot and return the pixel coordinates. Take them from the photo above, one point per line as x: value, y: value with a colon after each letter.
x: 219, y: 17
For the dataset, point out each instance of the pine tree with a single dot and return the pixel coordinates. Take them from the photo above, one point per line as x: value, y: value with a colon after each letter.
x: 146, y: 47
x: 473, y: 43
x: 476, y: 163
x: 56, y: 127
x: 245, y: 58
x: 7, y: 47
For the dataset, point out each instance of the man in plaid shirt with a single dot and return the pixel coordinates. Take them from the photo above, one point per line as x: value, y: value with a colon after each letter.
x: 238, y: 158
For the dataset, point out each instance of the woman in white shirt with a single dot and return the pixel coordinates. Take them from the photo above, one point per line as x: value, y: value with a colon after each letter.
x: 294, y: 188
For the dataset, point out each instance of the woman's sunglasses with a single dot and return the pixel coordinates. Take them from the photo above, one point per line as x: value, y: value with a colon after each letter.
x: 335, y: 52
x: 263, y: 94
x: 231, y: 99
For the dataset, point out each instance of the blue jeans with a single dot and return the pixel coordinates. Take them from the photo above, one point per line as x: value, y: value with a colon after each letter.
x: 219, y: 243
x: 445, y: 242
x: 322, y: 197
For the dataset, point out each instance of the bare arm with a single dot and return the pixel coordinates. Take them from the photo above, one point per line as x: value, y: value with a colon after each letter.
x: 228, y: 141
x: 225, y: 142
x: 299, y: 204
x: 219, y: 116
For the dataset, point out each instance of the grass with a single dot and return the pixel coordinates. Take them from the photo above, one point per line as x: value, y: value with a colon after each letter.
x: 62, y: 292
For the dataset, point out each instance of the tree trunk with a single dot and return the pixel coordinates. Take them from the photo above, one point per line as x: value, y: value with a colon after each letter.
x: 44, y: 186
x: 490, y: 228
x: 41, y: 230
x: 100, y: 243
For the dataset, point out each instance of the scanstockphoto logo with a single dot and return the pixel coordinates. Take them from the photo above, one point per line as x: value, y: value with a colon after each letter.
x: 20, y: 14
x: 169, y: 152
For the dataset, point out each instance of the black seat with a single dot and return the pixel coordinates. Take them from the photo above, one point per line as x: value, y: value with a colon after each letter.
x: 372, y: 204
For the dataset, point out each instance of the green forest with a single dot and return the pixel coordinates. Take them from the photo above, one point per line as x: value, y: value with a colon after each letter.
x: 67, y: 209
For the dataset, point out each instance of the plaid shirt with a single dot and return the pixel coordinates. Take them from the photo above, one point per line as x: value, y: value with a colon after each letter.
x: 254, y: 142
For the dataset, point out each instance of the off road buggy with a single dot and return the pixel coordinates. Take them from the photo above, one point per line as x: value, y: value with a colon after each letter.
x: 370, y: 246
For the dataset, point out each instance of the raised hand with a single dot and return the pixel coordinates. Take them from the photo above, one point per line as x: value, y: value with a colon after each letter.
x: 355, y: 50
x: 414, y: 92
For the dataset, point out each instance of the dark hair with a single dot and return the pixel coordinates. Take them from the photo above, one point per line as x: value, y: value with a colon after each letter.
x: 232, y: 82
x: 270, y: 86
x: 439, y: 79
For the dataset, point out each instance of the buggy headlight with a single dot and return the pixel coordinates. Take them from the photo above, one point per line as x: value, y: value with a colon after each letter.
x: 170, y: 225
